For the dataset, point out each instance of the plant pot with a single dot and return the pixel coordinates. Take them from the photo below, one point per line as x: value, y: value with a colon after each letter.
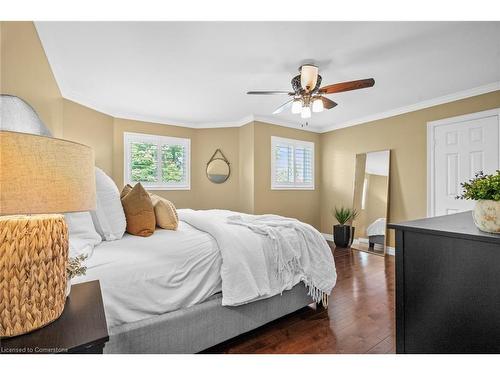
x: 486, y: 216
x: 343, y: 235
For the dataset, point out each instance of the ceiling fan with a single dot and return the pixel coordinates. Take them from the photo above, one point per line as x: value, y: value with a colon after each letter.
x: 309, y: 96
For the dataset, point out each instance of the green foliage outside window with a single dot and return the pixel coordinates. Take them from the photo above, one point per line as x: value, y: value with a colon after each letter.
x: 143, y: 162
x: 144, y: 157
x: 172, y: 163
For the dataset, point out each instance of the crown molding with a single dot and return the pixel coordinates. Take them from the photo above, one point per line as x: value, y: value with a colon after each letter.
x: 495, y: 86
x: 193, y: 125
x: 74, y: 97
x: 125, y: 115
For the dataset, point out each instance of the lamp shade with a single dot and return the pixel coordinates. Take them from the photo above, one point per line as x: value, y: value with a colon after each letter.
x: 317, y: 105
x: 44, y: 175
x: 308, y: 77
x: 18, y: 116
x: 296, y: 106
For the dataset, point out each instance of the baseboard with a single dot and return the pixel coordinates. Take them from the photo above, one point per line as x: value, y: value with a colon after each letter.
x: 389, y: 249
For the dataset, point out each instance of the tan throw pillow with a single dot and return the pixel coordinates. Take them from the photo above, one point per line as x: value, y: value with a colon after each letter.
x: 165, y: 212
x: 139, y: 210
x: 126, y: 189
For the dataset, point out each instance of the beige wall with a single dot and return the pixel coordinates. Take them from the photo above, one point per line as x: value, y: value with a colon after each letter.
x: 210, y: 195
x: 300, y: 204
x: 405, y: 135
x: 247, y: 148
x: 92, y: 128
x: 203, y: 193
x: 247, y: 168
x: 25, y: 72
x: 181, y: 198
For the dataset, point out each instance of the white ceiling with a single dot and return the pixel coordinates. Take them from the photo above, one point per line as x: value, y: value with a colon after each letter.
x: 197, y: 73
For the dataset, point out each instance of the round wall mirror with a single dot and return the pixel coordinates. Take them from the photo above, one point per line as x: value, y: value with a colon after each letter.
x: 218, y: 170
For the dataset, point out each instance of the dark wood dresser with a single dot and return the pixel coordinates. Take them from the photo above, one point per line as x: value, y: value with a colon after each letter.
x: 447, y: 286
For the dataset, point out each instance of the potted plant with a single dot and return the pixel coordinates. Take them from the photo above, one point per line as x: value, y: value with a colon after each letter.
x: 485, y: 190
x: 343, y: 234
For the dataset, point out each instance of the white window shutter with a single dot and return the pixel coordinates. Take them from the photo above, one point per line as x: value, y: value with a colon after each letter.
x: 171, y: 157
x: 292, y: 164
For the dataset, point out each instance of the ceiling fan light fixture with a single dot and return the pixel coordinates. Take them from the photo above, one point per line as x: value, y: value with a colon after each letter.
x: 296, y: 106
x: 308, y: 77
x: 309, y: 95
x: 306, y: 112
x: 317, y: 105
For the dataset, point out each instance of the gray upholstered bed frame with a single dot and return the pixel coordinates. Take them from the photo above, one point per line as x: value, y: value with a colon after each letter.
x: 202, y: 326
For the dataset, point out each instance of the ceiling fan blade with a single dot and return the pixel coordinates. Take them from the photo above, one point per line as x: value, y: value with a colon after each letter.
x: 270, y: 93
x: 347, y: 86
x: 282, y: 107
x: 327, y: 103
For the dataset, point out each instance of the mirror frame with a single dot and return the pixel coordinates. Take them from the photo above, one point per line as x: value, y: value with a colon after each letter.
x: 387, y: 205
x: 224, y: 159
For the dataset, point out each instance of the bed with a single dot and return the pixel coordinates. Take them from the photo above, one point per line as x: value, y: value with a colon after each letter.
x: 187, y: 290
x: 163, y: 293
x: 143, y: 277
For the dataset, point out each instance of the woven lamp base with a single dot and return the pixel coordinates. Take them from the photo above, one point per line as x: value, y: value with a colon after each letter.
x: 33, y: 258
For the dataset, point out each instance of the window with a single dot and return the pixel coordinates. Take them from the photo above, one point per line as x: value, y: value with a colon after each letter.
x: 157, y: 162
x: 292, y: 164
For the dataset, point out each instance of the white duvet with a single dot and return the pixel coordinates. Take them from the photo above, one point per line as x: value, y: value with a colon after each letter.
x: 263, y: 255
x: 144, y: 277
x: 211, y: 251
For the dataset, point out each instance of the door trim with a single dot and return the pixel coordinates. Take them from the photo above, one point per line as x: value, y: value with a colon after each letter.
x: 431, y: 127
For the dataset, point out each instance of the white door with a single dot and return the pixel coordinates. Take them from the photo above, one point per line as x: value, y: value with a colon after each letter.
x: 460, y: 147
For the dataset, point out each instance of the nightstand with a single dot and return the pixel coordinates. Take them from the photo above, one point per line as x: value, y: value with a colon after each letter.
x: 81, y: 328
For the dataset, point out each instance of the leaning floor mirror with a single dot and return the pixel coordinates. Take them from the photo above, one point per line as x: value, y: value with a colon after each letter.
x: 371, y: 195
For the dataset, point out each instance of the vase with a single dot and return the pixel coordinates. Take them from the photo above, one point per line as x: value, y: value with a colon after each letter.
x: 486, y: 216
x: 68, y: 287
x: 343, y: 235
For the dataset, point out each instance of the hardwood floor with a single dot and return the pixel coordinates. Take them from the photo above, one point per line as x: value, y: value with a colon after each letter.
x: 360, y: 318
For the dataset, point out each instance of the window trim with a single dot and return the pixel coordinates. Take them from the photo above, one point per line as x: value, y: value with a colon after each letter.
x: 294, y: 142
x: 129, y: 137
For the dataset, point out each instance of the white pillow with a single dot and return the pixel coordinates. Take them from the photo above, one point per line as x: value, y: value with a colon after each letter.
x: 109, y: 218
x: 82, y: 234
